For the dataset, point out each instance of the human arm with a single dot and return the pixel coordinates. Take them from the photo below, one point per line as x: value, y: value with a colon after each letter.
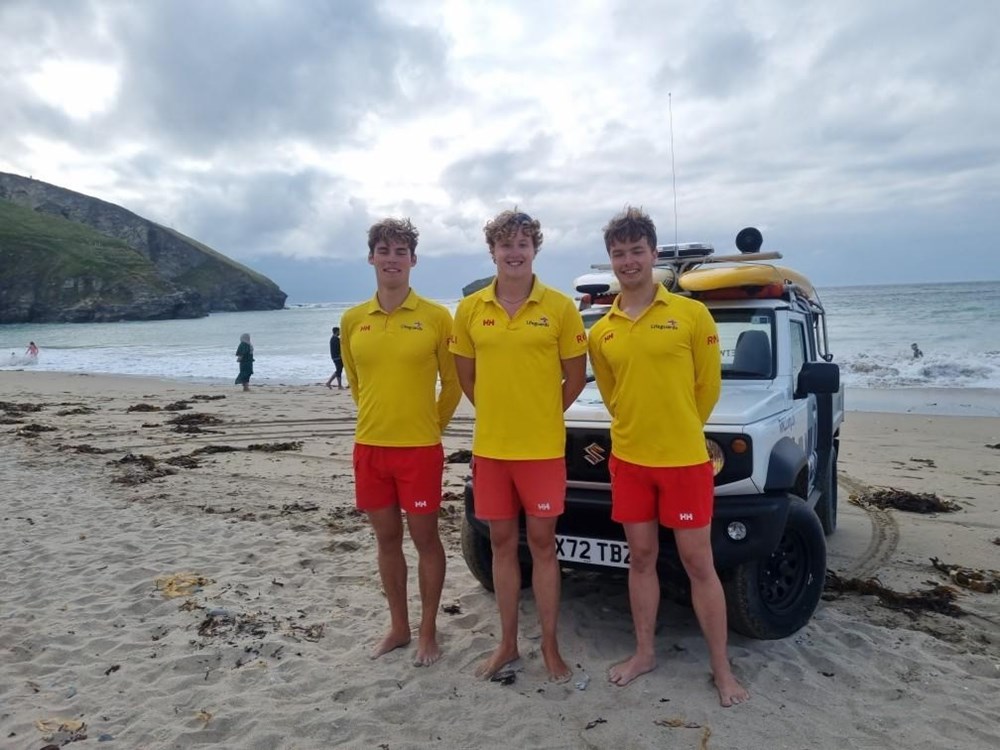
x: 603, y: 374
x: 451, y: 390
x: 466, y: 369
x: 350, y: 366
x: 574, y: 379
x: 707, y: 364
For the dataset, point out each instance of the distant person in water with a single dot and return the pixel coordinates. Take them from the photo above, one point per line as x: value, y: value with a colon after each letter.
x: 338, y: 363
x: 917, y: 354
x: 244, y: 355
x: 32, y: 350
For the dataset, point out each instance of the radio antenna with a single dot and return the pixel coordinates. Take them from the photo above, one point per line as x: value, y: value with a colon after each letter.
x: 673, y: 168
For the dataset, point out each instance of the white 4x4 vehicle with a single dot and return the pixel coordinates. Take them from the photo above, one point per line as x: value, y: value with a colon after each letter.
x: 773, y: 437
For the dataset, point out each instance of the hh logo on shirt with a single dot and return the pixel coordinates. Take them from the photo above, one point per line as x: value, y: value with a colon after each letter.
x: 414, y: 326
x: 607, y: 337
x: 542, y: 322
x: 365, y: 328
x: 489, y: 322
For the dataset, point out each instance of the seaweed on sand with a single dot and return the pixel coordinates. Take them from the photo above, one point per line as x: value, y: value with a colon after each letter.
x: 940, y: 599
x: 983, y: 581
x: 912, y: 502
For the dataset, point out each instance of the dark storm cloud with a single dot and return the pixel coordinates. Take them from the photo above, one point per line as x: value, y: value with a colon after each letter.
x: 202, y: 76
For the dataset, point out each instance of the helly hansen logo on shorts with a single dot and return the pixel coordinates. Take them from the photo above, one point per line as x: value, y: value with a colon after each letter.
x: 686, y: 516
x: 419, y: 503
x: 544, y: 506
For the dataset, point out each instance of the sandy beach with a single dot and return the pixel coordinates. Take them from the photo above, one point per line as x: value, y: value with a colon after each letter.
x: 228, y: 598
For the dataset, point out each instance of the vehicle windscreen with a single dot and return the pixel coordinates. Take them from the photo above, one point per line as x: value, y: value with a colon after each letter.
x: 746, y: 342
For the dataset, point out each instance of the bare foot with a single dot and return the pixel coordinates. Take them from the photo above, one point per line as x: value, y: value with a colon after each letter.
x: 427, y: 653
x: 497, y: 661
x: 731, y: 692
x: 623, y: 673
x: 391, y: 642
x: 558, y: 669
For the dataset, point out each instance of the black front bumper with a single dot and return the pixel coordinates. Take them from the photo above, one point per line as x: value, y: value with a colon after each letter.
x: 588, y: 514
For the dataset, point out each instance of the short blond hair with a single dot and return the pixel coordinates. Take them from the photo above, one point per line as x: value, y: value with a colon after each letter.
x: 631, y: 224
x: 388, y: 230
x: 507, y: 223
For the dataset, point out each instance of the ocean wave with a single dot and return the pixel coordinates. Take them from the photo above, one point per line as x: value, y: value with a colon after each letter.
x: 881, y: 370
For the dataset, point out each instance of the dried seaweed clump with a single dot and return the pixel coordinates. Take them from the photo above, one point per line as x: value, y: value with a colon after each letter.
x: 912, y: 502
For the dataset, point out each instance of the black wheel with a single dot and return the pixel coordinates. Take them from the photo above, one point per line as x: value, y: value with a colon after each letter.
x: 774, y: 597
x: 478, y: 556
x: 826, y: 506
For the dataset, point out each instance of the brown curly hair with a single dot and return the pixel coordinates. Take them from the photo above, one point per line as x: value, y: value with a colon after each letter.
x: 631, y: 224
x: 505, y: 225
x: 389, y: 230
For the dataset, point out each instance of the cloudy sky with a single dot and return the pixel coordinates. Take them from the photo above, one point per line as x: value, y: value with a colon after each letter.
x: 862, y: 138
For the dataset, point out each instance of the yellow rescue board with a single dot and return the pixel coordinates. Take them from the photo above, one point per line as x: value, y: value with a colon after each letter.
x: 706, y: 279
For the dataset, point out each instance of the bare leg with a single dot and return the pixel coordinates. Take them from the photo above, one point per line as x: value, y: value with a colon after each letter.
x: 387, y: 523
x: 644, y: 598
x: 430, y: 572
x: 507, y: 588
x: 695, y: 548
x: 546, y: 583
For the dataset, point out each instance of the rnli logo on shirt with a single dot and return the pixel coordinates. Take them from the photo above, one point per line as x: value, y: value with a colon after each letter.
x: 607, y: 337
x: 670, y: 325
x: 415, y: 326
x: 712, y: 340
x: 365, y: 328
x: 542, y: 322
x: 489, y: 322
x: 581, y: 337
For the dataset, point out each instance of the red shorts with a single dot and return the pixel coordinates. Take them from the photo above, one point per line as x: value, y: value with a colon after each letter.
x: 682, y: 497
x: 503, y: 487
x: 407, y: 477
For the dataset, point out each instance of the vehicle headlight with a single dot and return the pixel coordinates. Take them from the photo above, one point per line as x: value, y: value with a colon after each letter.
x: 715, y: 455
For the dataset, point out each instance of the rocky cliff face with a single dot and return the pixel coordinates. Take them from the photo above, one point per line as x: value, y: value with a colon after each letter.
x: 191, y: 278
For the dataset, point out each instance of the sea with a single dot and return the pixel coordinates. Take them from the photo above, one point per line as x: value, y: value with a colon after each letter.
x: 871, y: 330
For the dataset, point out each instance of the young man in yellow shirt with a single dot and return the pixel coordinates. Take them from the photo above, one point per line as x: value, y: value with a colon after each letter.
x: 395, y: 347
x: 655, y: 357
x: 520, y: 350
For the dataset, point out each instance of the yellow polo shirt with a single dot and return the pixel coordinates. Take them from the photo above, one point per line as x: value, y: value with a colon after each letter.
x: 518, y: 389
x: 659, y: 376
x: 393, y: 361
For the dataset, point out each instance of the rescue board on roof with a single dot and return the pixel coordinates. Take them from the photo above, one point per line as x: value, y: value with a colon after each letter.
x: 745, y: 280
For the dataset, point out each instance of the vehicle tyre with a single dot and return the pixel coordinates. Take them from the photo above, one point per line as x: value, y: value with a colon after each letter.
x: 774, y: 597
x: 826, y: 507
x: 478, y: 556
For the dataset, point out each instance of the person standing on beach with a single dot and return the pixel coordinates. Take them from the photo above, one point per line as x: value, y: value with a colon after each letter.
x: 656, y: 359
x: 395, y: 347
x: 244, y: 355
x: 338, y: 362
x: 520, y: 349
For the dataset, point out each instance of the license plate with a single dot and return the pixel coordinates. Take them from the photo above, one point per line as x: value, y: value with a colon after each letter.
x: 603, y: 552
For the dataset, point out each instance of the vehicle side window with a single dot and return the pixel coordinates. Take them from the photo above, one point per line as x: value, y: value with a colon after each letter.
x: 798, y: 344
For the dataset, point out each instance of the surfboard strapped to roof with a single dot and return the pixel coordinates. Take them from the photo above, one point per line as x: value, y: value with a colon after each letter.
x: 692, y: 268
